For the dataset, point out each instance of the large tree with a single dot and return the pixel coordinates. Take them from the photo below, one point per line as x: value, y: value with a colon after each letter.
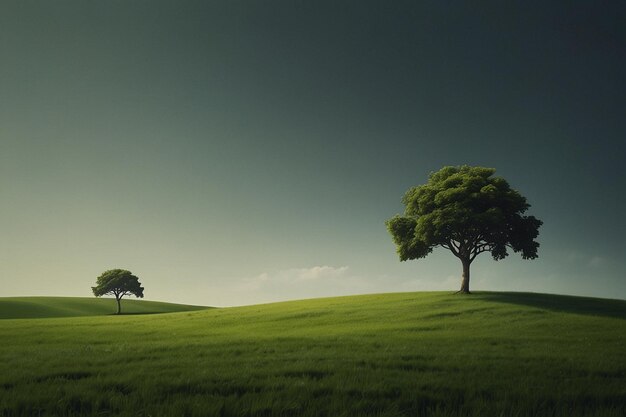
x: 118, y: 282
x: 468, y: 211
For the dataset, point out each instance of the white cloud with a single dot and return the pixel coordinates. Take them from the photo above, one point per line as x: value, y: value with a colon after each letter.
x: 312, y: 275
x: 299, y: 283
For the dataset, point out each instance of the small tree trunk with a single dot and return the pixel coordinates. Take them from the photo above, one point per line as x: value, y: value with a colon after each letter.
x: 466, y: 276
x: 119, y: 306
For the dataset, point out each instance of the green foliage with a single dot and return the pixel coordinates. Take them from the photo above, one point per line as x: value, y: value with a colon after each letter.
x: 468, y: 211
x: 118, y: 282
x: 387, y: 355
x: 42, y: 307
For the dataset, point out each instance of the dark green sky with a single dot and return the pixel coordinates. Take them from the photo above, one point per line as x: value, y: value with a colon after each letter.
x: 232, y: 152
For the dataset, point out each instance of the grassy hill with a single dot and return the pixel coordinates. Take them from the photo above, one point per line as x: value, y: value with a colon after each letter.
x: 407, y: 354
x: 40, y: 307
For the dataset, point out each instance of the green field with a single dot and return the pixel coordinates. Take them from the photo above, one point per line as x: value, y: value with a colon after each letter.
x: 406, y: 354
x: 40, y: 307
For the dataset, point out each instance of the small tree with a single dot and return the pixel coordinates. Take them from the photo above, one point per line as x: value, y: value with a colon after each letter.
x: 467, y: 211
x: 118, y: 282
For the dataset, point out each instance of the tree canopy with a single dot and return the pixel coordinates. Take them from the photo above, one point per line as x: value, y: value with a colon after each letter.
x: 118, y: 282
x: 468, y: 211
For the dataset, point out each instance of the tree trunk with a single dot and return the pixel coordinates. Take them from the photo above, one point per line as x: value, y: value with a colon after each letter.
x: 119, y: 307
x: 466, y: 276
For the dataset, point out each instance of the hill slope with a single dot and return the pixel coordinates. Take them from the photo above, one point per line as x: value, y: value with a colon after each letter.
x: 426, y: 354
x: 40, y: 307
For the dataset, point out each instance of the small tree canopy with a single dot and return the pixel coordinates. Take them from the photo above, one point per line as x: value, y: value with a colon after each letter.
x: 468, y: 211
x: 118, y: 282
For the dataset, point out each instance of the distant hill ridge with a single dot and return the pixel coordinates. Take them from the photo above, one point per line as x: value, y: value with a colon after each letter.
x: 43, y: 307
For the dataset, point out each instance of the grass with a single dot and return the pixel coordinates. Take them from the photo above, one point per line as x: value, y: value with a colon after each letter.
x: 407, y: 354
x: 40, y: 307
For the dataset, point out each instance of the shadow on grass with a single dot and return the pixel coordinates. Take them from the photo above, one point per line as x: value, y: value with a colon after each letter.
x: 562, y: 303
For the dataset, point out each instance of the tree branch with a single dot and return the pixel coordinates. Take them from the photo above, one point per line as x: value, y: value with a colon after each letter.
x: 478, y: 249
x: 453, y: 248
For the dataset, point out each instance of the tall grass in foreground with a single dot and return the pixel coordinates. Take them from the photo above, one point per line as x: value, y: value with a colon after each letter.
x: 411, y: 354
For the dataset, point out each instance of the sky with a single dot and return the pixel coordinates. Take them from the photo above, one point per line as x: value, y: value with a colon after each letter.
x: 235, y: 152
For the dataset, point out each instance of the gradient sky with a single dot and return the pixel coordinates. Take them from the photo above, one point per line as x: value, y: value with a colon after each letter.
x: 235, y: 152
